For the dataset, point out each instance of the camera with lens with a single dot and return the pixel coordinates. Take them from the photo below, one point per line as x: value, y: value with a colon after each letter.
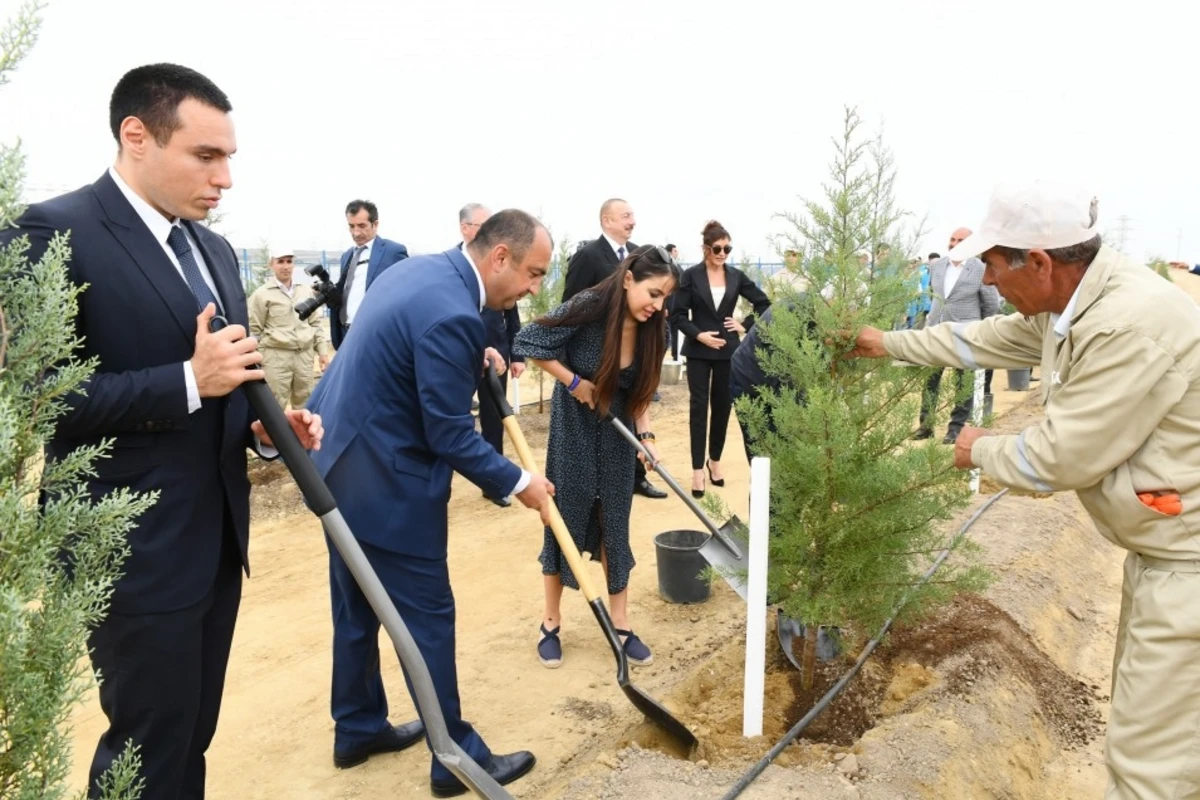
x: 323, y: 291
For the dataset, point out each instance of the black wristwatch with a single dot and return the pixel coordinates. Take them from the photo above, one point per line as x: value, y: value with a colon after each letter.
x: 645, y: 436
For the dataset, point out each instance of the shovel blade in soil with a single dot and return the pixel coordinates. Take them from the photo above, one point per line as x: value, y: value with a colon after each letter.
x: 651, y: 708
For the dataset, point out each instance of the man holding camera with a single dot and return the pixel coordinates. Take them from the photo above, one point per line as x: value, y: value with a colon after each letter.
x: 288, y: 343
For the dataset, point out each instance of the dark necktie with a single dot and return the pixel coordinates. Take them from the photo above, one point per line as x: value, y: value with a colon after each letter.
x: 351, y: 268
x: 191, y: 270
x: 621, y: 253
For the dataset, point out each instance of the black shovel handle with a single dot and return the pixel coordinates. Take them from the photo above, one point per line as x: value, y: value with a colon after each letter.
x: 284, y: 439
x: 497, y: 393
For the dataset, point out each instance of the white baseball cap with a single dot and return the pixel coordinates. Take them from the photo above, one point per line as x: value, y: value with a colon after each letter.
x: 280, y: 252
x: 1034, y: 216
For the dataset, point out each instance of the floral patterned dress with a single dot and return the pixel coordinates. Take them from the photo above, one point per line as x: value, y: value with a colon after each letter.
x: 587, y: 460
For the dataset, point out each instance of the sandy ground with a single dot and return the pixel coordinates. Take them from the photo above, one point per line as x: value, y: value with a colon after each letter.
x: 969, y: 723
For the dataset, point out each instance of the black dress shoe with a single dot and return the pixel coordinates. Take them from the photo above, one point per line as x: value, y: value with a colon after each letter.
x: 951, y: 438
x: 921, y: 434
x: 648, y: 489
x: 389, y: 740
x: 503, y: 502
x: 503, y: 769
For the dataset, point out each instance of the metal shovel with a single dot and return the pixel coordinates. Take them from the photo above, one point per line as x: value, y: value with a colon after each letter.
x: 725, y: 549
x: 321, y: 501
x: 653, y: 710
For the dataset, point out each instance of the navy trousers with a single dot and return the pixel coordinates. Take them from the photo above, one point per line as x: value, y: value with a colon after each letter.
x: 162, y: 680
x: 420, y: 590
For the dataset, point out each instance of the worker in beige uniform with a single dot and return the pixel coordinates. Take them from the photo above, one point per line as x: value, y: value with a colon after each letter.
x: 289, y: 345
x: 1119, y: 350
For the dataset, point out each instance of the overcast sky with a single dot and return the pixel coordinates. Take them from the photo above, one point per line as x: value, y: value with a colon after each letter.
x: 690, y: 110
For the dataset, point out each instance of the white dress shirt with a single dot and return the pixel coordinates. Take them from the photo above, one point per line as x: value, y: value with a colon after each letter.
x: 358, y: 289
x: 160, y: 229
x: 613, y: 244
x: 953, y: 273
x: 523, y: 481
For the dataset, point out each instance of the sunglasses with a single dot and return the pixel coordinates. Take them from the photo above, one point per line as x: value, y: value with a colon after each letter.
x: 647, y: 249
x: 716, y: 251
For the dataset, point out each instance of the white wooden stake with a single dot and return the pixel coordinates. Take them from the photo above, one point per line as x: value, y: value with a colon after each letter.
x: 756, y: 598
x: 516, y: 392
x: 976, y: 420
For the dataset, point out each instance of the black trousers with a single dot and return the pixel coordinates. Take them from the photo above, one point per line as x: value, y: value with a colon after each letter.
x: 708, y: 386
x: 162, y: 680
x: 674, y: 334
x: 962, y: 409
x: 490, y: 425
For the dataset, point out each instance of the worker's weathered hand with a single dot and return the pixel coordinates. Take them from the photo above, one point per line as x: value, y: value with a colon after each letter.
x: 868, y: 344
x: 962, y: 446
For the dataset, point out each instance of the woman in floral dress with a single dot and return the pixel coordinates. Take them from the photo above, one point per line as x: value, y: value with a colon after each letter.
x: 605, y: 349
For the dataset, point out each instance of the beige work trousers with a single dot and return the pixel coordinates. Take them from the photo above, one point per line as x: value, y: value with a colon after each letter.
x: 1153, y: 746
x: 289, y: 374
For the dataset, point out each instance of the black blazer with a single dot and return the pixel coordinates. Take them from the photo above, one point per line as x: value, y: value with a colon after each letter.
x: 694, y: 312
x: 501, y: 329
x: 137, y: 317
x: 591, y: 264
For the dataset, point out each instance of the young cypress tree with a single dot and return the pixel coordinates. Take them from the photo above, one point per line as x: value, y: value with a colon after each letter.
x: 855, y: 504
x: 45, y: 609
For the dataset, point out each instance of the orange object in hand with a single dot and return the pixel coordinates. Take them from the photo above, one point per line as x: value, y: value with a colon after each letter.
x: 1164, y: 502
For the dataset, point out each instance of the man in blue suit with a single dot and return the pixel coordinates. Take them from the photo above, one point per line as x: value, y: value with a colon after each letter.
x: 397, y: 401
x: 360, y: 266
x: 165, y: 391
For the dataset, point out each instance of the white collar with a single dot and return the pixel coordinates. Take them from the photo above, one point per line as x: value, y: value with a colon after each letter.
x: 287, y: 289
x: 1062, y: 322
x: 478, y: 277
x: 367, y: 247
x: 160, y: 226
x: 614, y: 245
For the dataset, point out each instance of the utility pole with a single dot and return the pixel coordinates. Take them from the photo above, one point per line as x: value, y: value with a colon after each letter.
x: 1123, y: 231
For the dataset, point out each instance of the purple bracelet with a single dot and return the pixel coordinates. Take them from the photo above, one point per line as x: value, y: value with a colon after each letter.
x: 574, y: 384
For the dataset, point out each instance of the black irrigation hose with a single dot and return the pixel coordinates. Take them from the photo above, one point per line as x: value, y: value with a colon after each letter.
x: 829, y: 697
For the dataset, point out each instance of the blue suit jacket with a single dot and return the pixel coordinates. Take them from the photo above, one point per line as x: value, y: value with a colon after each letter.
x: 138, y: 318
x: 396, y: 405
x: 384, y: 253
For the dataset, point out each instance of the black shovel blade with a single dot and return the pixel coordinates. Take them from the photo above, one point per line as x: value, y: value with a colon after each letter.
x: 651, y: 708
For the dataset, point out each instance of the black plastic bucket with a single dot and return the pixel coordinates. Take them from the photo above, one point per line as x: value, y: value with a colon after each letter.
x: 680, y: 565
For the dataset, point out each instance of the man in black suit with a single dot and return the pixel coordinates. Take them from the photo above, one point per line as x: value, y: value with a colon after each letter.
x: 165, y: 390
x: 360, y: 266
x: 501, y: 328
x: 594, y: 262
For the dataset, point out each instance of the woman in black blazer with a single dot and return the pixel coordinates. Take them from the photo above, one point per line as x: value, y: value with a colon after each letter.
x: 704, y: 305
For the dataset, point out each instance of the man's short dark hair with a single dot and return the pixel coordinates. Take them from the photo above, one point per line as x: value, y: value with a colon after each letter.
x: 669, y: 248
x: 512, y: 227
x: 934, y: 256
x: 355, y: 206
x: 153, y: 93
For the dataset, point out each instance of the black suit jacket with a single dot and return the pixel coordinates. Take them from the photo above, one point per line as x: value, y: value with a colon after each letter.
x: 694, y: 312
x: 137, y: 317
x: 591, y: 264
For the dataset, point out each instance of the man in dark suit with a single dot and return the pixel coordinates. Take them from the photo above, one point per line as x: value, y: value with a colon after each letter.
x: 397, y: 400
x: 165, y: 390
x: 502, y: 327
x: 360, y: 266
x: 594, y: 262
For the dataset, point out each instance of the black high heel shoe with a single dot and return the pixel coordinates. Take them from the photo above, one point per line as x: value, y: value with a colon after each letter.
x: 697, y: 493
x: 711, y: 479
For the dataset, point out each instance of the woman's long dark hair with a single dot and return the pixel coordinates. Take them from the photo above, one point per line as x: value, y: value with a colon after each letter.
x: 606, y: 302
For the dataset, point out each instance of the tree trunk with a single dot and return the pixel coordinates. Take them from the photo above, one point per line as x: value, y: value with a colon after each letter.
x: 809, y: 662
